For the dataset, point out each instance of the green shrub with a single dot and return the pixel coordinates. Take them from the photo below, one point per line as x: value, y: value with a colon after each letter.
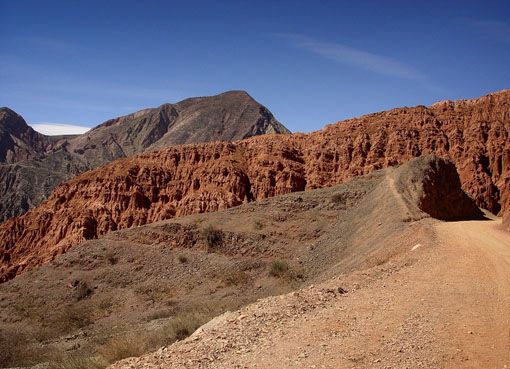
x: 212, y: 236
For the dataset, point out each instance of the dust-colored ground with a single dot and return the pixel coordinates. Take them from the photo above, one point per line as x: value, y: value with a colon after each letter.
x: 444, y: 303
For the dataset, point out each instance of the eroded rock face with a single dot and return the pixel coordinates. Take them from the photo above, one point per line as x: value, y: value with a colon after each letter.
x: 506, y: 204
x: 431, y: 185
x: 32, y: 164
x: 473, y: 134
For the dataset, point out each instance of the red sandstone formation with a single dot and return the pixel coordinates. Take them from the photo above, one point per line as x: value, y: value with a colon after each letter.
x: 180, y: 180
x: 506, y: 203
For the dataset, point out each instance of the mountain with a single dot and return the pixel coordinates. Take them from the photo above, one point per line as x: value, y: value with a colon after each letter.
x: 32, y: 164
x: 181, y: 180
x: 18, y: 141
x: 138, y: 289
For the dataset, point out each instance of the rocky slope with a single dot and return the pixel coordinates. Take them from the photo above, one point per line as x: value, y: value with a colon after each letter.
x: 32, y: 164
x: 395, y: 315
x: 18, y: 141
x: 137, y: 288
x: 187, y: 179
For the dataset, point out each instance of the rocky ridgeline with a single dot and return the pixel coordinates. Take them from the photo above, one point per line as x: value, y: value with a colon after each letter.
x: 181, y: 180
x: 32, y: 164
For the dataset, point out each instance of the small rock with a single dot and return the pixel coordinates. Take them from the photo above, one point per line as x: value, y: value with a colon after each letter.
x: 341, y: 290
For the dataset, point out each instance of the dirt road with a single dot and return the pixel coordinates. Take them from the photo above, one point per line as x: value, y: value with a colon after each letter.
x: 476, y: 274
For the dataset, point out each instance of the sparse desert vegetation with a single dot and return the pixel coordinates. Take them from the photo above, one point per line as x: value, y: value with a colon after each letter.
x: 157, y: 290
x: 212, y: 236
x: 279, y: 268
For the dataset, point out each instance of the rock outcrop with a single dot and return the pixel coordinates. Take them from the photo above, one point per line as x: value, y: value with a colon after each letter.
x: 18, y: 141
x: 506, y: 203
x: 431, y: 185
x: 32, y: 164
x: 179, y: 180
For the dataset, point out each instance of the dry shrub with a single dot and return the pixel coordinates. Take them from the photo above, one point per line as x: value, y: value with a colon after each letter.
x: 121, y: 347
x: 153, y: 292
x: 280, y: 269
x: 160, y: 314
x: 77, y: 360
x: 82, y: 291
x: 134, y: 344
x: 112, y: 259
x: 182, y: 259
x: 235, y: 278
x: 212, y: 236
x: 19, y: 349
x: 12, y: 348
x: 181, y: 327
x: 106, y: 305
x: 339, y: 199
x: 72, y: 317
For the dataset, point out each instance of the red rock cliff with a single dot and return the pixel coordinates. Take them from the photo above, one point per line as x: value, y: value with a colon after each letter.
x: 181, y: 180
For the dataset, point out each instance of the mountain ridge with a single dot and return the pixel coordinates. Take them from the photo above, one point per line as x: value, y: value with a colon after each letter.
x: 51, y: 159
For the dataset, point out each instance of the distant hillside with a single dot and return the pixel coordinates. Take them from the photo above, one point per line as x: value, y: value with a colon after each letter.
x: 32, y: 164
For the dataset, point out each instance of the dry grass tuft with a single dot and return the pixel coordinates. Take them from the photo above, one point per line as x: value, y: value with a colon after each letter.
x: 121, y: 347
x: 182, y: 259
x: 235, y: 278
x: 77, y: 360
x: 281, y: 269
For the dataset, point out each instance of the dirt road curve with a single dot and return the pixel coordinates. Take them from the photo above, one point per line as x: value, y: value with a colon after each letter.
x: 444, y: 304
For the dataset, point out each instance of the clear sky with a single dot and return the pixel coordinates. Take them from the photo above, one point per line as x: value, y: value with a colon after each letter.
x: 310, y: 62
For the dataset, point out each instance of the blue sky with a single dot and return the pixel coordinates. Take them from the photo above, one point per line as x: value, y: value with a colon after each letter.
x: 310, y: 62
